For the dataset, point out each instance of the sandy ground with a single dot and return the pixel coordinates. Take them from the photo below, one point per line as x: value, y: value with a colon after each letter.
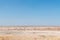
x: 29, y: 37
x: 29, y: 33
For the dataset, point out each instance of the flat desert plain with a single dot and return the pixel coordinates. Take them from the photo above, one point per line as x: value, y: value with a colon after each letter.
x: 29, y: 33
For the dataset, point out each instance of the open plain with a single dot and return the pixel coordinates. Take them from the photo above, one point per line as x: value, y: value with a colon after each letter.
x: 29, y: 33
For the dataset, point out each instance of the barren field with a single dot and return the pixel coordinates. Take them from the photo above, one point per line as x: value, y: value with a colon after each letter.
x: 29, y: 33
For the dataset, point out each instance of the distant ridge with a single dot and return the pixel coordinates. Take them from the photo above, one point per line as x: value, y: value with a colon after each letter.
x: 29, y: 26
x: 39, y: 28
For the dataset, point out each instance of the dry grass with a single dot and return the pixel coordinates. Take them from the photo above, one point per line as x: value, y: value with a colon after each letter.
x: 27, y: 37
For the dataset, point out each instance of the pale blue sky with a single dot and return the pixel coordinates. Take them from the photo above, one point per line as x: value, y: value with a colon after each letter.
x: 29, y: 12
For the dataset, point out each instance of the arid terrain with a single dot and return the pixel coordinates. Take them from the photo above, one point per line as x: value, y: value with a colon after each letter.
x: 30, y: 33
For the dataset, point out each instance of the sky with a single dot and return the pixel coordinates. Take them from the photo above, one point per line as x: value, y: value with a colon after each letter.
x: 29, y: 12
